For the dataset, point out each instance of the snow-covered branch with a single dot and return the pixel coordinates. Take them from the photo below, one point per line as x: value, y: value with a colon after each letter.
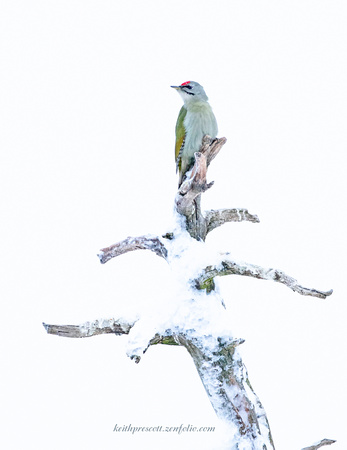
x: 226, y: 383
x: 130, y: 244
x: 216, y: 218
x: 196, y: 322
x: 106, y: 326
x: 320, y: 444
x: 229, y: 267
x: 88, y: 329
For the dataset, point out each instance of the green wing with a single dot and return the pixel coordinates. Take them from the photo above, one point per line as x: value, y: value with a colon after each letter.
x: 180, y: 135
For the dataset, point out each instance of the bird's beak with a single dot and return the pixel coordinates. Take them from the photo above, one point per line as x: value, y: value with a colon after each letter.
x: 176, y: 87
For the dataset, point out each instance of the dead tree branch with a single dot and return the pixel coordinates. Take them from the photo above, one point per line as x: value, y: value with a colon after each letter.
x: 187, y: 200
x: 216, y: 218
x: 211, y: 148
x: 231, y: 385
x: 229, y: 390
x: 193, y: 187
x: 229, y: 267
x: 217, y: 360
x: 152, y: 243
x: 320, y: 444
x: 88, y: 329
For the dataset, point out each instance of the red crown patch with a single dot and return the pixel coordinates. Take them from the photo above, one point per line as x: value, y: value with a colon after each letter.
x: 185, y: 83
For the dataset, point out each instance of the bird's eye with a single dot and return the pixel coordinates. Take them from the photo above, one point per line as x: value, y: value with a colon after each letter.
x: 188, y: 87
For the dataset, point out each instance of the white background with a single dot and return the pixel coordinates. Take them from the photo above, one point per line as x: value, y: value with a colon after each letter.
x: 87, y: 137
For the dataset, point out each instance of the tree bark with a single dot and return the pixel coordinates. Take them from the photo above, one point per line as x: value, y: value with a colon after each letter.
x: 320, y: 444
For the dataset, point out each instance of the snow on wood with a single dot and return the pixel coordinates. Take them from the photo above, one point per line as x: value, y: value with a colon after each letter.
x: 196, y: 318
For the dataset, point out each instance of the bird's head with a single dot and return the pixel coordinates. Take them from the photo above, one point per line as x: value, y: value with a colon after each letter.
x: 191, y: 90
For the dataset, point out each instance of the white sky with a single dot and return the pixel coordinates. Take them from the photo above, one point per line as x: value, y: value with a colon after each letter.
x: 87, y: 137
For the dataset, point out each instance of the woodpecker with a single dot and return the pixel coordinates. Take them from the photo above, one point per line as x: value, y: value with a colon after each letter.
x: 195, y: 119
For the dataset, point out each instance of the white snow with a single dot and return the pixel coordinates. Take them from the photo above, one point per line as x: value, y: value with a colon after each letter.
x: 202, y: 318
x: 185, y: 309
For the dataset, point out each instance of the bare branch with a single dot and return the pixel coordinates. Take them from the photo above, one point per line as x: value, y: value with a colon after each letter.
x: 197, y: 184
x: 211, y: 147
x: 192, y: 187
x: 187, y: 199
x: 228, y: 267
x: 320, y: 444
x: 130, y: 244
x: 89, y: 329
x: 216, y: 218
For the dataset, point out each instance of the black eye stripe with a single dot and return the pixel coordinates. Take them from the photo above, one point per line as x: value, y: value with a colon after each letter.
x: 184, y: 90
